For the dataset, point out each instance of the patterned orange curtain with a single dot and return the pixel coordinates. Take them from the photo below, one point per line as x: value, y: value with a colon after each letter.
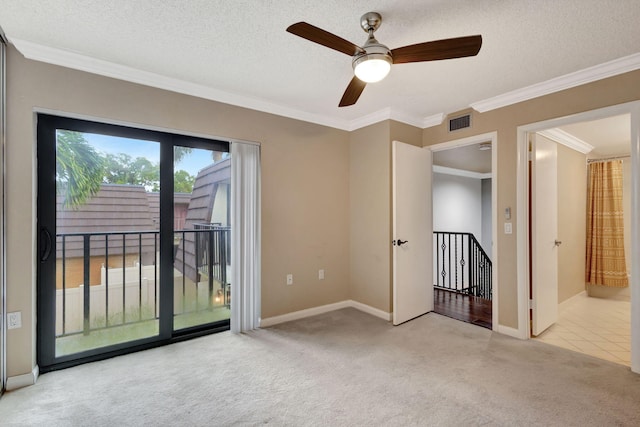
x: 605, y: 230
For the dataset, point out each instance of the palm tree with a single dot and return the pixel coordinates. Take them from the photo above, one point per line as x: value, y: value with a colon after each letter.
x: 79, y: 168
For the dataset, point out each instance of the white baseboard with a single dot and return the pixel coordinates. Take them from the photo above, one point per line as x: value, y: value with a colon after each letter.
x: 23, y: 380
x: 371, y: 310
x: 301, y: 314
x: 570, y: 300
x: 270, y: 321
x: 512, y: 332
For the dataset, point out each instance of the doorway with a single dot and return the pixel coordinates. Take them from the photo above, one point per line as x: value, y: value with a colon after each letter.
x: 595, y: 319
x: 632, y: 111
x: 133, y: 239
x: 464, y: 227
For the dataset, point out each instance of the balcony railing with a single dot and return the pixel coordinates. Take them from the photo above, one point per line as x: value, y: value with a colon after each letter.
x: 110, y: 279
x: 461, y: 265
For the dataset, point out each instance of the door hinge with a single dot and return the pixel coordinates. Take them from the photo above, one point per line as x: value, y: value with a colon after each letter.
x: 531, y: 304
x: 530, y: 156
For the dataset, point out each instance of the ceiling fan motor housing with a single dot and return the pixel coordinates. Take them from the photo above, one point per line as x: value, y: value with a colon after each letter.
x: 375, y: 55
x: 370, y: 21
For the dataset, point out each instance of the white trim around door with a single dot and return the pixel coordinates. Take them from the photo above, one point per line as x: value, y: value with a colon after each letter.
x: 476, y: 139
x: 631, y: 108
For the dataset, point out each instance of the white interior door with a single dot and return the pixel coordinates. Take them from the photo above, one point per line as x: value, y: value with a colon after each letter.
x: 544, y: 233
x: 412, y: 232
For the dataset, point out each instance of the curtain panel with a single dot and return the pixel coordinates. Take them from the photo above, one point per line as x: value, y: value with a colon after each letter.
x: 245, y: 235
x: 605, y: 263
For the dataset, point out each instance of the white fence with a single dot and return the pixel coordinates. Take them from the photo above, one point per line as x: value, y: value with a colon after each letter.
x: 138, y: 292
x: 140, y: 297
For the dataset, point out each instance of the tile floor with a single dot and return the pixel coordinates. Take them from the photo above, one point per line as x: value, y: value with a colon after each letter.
x: 595, y: 326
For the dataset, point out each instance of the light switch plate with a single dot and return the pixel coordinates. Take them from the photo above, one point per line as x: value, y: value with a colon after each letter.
x: 507, y: 228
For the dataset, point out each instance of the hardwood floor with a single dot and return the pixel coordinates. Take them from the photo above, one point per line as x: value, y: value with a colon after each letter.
x: 462, y: 307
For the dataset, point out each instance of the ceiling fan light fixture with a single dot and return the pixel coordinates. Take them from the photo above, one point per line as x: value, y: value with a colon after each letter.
x: 372, y: 61
x: 372, y: 68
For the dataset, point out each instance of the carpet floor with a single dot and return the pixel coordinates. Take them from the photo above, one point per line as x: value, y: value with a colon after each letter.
x: 343, y: 368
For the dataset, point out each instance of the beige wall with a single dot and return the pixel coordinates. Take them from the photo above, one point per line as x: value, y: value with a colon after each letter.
x: 305, y: 174
x: 603, y: 93
x: 572, y: 221
x: 370, y: 215
x: 626, y: 206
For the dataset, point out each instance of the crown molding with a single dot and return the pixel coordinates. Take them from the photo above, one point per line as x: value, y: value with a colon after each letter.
x: 63, y: 58
x: 566, y: 139
x: 587, y: 75
x: 386, y: 114
x: 370, y: 119
x: 460, y: 172
x: 68, y: 59
x: 434, y: 120
x: 407, y: 119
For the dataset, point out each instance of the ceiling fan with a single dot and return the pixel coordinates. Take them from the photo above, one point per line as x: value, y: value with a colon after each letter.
x: 372, y: 62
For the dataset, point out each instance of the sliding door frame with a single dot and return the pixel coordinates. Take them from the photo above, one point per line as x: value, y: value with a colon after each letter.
x: 3, y: 282
x: 46, y: 306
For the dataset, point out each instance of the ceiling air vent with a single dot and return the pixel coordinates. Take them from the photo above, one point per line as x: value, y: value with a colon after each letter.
x: 460, y: 122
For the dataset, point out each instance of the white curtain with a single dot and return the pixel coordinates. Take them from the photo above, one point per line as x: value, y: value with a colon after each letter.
x: 245, y: 236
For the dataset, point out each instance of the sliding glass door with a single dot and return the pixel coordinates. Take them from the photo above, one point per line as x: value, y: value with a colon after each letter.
x: 202, y: 237
x: 133, y: 238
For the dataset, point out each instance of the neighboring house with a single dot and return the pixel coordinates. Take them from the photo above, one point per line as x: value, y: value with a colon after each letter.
x: 180, y: 207
x: 115, y: 208
x: 209, y: 206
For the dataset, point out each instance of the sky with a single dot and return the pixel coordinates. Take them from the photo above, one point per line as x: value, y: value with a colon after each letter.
x: 106, y: 144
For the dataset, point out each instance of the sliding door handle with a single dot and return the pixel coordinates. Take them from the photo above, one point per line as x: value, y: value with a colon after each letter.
x: 46, y: 244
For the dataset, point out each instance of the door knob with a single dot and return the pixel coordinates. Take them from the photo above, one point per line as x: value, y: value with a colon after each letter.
x: 558, y: 242
x: 402, y: 242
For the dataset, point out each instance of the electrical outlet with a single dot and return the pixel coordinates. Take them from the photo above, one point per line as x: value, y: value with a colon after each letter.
x: 321, y: 274
x: 289, y: 279
x: 14, y: 320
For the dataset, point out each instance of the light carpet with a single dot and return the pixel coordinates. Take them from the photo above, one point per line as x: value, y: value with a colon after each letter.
x: 343, y: 368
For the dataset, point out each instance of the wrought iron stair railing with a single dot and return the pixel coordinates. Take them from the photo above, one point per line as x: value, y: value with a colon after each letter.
x: 461, y: 265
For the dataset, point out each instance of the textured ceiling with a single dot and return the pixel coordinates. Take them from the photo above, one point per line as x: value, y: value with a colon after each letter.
x: 468, y: 158
x: 240, y: 48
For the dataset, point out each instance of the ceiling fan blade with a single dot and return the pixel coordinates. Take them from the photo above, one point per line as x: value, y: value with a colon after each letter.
x: 325, y: 38
x: 353, y: 92
x: 439, y: 49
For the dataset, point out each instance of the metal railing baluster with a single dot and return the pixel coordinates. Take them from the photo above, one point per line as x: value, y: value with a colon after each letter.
x: 106, y: 280
x: 140, y: 276
x: 212, y: 258
x: 211, y: 249
x: 64, y: 286
x: 124, y: 277
x: 473, y: 275
x: 184, y: 270
x: 86, y: 288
